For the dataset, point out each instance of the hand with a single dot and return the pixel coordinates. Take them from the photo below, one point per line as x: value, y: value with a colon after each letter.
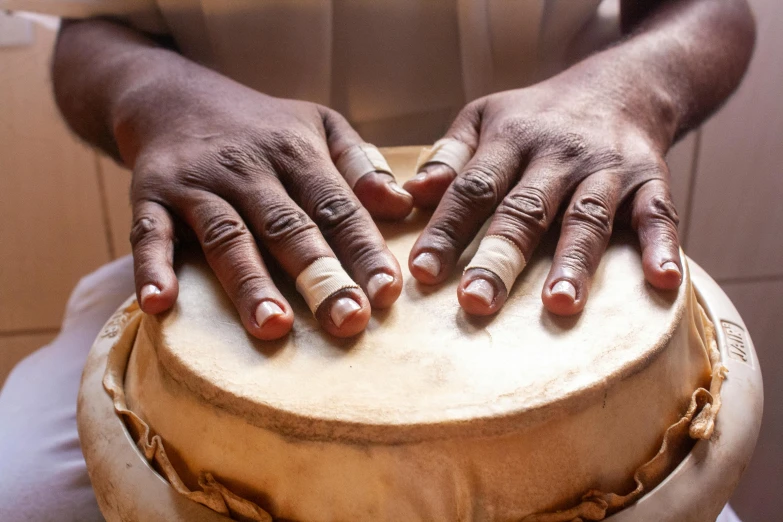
x: 244, y: 172
x: 584, y: 140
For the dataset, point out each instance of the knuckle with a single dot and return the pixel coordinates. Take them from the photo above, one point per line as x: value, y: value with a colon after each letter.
x: 442, y: 235
x: 571, y: 145
x: 241, y: 159
x: 605, y: 158
x: 336, y: 211
x: 527, y: 207
x: 145, y: 228
x: 291, y: 146
x: 592, y: 211
x: 516, y: 130
x: 662, y: 209
x: 363, y: 253
x: 248, y: 282
x: 285, y: 222
x: 156, y: 163
x: 222, y: 232
x: 477, y: 186
x: 147, y: 181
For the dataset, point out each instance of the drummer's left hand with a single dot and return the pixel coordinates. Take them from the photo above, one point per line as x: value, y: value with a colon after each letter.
x: 583, y: 140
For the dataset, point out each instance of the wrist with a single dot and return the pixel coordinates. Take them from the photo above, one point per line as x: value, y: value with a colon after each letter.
x: 145, y: 87
x: 641, y: 92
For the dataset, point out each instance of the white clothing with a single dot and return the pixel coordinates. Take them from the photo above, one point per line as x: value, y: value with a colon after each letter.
x: 42, y: 472
x: 398, y: 70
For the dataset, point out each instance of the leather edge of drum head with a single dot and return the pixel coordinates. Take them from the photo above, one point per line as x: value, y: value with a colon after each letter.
x: 119, y: 473
x: 704, y: 481
x: 311, y: 428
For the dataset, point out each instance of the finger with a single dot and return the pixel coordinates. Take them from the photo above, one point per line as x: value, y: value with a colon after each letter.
x: 152, y: 242
x: 232, y: 253
x: 520, y: 221
x: 655, y: 219
x: 440, y: 164
x: 347, y: 227
x: 293, y: 239
x: 365, y: 170
x: 436, y: 169
x: 288, y: 233
x: 465, y: 207
x: 587, y: 227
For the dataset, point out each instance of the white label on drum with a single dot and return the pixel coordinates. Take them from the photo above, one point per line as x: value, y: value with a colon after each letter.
x: 736, y: 342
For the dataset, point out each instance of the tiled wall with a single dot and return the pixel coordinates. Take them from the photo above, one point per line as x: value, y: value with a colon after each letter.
x: 50, y: 213
x: 734, y: 231
x: 64, y: 212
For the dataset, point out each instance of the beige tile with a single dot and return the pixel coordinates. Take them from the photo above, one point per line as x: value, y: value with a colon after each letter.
x: 760, y: 303
x: 737, y: 210
x: 680, y: 161
x: 116, y: 182
x: 52, y: 228
x: 15, y: 348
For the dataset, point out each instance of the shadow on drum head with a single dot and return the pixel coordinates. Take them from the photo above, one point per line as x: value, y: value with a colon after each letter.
x: 414, y: 223
x: 557, y: 324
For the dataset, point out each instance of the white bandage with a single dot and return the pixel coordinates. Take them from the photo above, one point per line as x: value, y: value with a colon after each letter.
x: 448, y: 151
x: 501, y: 257
x: 360, y: 160
x: 323, y: 278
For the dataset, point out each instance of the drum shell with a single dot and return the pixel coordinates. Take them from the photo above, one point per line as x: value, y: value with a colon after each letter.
x: 129, y: 489
x: 504, y: 476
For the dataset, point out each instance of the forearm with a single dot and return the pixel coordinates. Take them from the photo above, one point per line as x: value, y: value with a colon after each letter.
x: 96, y: 65
x: 681, y: 59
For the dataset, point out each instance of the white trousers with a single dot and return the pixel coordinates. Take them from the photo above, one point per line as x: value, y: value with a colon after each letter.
x: 42, y: 472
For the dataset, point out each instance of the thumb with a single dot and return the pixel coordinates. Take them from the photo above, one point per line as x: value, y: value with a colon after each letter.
x: 365, y: 170
x: 440, y: 164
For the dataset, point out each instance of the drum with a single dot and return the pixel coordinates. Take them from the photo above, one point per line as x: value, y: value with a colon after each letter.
x: 646, y: 406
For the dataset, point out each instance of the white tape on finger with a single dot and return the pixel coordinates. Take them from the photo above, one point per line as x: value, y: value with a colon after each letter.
x: 448, y: 151
x: 321, y: 279
x: 359, y: 160
x: 501, y: 257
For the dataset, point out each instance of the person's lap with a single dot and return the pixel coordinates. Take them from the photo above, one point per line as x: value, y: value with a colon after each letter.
x: 42, y: 472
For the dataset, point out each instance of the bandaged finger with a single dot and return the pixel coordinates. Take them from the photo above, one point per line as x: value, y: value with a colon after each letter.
x: 360, y: 160
x: 447, y: 151
x: 322, y: 278
x: 500, y: 256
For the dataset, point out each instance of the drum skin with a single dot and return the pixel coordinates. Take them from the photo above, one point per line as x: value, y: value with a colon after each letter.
x: 511, y: 452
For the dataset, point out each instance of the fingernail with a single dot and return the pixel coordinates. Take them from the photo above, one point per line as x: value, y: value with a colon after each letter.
x: 421, y: 176
x: 564, y: 288
x: 148, y: 291
x: 399, y: 190
x: 481, y: 289
x: 377, y: 283
x: 427, y: 262
x: 267, y: 310
x: 342, y: 308
x: 671, y: 266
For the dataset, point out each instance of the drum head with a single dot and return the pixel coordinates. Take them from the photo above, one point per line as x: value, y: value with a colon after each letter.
x: 423, y: 367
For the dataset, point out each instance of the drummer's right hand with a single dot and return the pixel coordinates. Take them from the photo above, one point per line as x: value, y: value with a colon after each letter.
x: 247, y: 173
